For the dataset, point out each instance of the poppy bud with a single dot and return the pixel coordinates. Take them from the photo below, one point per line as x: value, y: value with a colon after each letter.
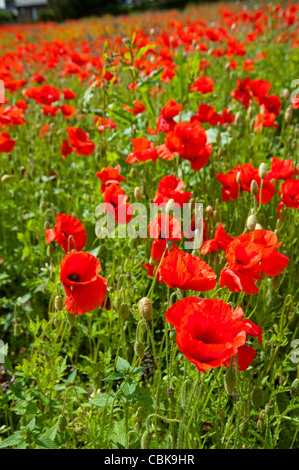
x: 215, y: 215
x: 139, y: 349
x: 138, y: 194
x: 146, y: 440
x: 17, y: 329
x: 192, y: 203
x: 238, y: 177
x: 133, y: 173
x: 124, y: 311
x: 260, y: 425
x: 145, y: 309
x: 263, y: 170
x: 6, y: 178
x: 288, y: 115
x: 294, y: 144
x: 50, y: 250
x: 209, y: 210
x: 169, y: 206
x: 58, y: 302
x: 258, y: 227
x: 286, y: 94
x: 244, y: 426
x: 61, y: 423
x: 295, y: 388
x: 251, y: 223
x: 254, y: 188
x: 230, y: 381
x: 238, y: 118
x: 257, y: 397
x: 269, y: 409
x: 172, y: 335
x: 250, y: 112
x: 42, y: 206
x: 22, y: 170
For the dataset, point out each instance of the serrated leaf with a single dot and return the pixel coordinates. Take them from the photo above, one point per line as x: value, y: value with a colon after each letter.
x: 13, y: 440
x: 45, y: 443
x: 122, y: 364
x: 102, y: 400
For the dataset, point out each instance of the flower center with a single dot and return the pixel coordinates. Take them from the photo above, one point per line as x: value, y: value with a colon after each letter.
x: 74, y: 277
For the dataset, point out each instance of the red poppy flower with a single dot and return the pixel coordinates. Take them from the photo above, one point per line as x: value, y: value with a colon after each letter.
x: 185, y: 271
x: 110, y: 175
x: 243, y: 259
x: 143, y: 150
x: 272, y: 262
x: 230, y: 188
x: 67, y: 230
x: 165, y: 122
x: 85, y: 289
x: 260, y: 88
x: 282, y: 169
x: 49, y: 110
x: 170, y: 187
x: 264, y: 119
x: 47, y: 94
x: 220, y: 241
x: 68, y: 110
x: 6, y: 144
x: 79, y: 141
x: 289, y: 194
x: 206, y: 113
x: 104, y: 124
x: 272, y: 104
x: 68, y: 94
x: 209, y: 332
x: 138, y: 107
x: 115, y: 202
x: 66, y: 149
x: 203, y: 84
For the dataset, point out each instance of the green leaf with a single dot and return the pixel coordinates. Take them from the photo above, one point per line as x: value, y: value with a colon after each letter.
x: 122, y: 365
x: 13, y: 440
x: 45, y: 443
x: 102, y: 399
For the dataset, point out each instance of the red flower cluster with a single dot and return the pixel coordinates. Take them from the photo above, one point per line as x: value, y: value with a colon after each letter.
x: 209, y: 332
x: 78, y: 142
x: 248, y: 256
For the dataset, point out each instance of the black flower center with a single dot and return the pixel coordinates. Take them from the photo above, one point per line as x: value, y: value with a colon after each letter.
x: 74, y: 277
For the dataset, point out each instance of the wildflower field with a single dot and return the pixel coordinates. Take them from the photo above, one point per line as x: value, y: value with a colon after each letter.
x: 149, y: 230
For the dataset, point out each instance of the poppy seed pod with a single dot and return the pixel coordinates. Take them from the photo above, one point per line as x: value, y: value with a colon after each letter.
x: 58, y: 302
x: 230, y: 381
x: 133, y: 173
x: 295, y: 388
x: 254, y: 188
x: 262, y: 170
x: 17, y: 329
x: 251, y: 223
x: 269, y: 409
x: 288, y: 115
x: 257, y: 397
x: 146, y: 440
x: 124, y: 311
x: 215, y: 215
x: 61, y: 423
x: 138, y: 194
x: 145, y: 309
